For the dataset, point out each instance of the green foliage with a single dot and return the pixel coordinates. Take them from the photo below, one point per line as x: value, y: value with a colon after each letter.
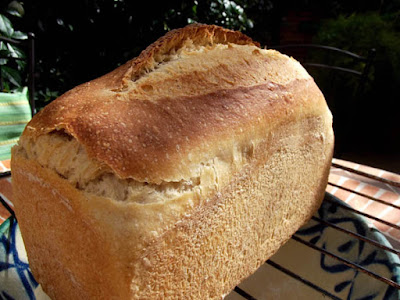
x: 13, y: 59
x: 377, y: 109
x: 361, y: 32
x: 226, y: 13
x: 47, y: 95
x: 11, y: 69
x: 77, y: 41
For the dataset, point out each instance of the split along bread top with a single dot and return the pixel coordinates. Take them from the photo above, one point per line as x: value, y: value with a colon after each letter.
x: 190, y: 110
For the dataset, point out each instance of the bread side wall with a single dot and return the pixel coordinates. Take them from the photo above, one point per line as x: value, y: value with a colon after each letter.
x: 225, y: 241
x: 245, y: 163
x: 80, y: 252
x: 68, y: 253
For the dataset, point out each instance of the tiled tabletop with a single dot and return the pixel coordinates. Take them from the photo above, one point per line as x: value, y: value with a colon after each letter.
x: 377, y: 195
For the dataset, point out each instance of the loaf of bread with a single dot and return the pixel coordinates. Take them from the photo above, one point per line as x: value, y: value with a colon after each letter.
x: 176, y: 175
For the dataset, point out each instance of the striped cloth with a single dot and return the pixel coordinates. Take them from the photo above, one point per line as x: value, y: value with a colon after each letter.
x: 5, y: 190
x: 15, y: 113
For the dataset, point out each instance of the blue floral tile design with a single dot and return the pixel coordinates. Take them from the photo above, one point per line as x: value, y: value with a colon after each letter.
x: 16, y: 279
x: 343, y: 280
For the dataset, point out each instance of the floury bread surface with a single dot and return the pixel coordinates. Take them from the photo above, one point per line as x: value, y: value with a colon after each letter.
x: 174, y: 176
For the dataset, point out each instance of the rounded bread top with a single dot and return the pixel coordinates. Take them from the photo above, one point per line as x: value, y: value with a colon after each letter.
x: 196, y: 94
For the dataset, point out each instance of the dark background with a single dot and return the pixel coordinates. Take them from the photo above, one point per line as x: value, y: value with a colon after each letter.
x: 77, y: 41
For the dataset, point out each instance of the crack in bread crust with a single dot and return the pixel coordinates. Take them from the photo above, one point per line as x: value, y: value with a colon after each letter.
x: 171, y: 182
x: 63, y: 155
x: 162, y: 139
x: 191, y: 37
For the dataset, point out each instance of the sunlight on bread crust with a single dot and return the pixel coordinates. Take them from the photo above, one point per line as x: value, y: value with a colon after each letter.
x: 61, y: 153
x: 202, y: 69
x: 176, y: 175
x: 205, y: 69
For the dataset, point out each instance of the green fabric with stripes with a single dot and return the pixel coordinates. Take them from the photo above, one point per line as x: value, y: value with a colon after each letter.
x: 15, y: 113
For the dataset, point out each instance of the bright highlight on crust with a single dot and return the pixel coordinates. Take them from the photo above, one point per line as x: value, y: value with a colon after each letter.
x: 177, y: 175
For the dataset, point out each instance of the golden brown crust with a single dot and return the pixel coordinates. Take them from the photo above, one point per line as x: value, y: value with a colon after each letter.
x: 199, y: 34
x: 150, y: 141
x: 118, y: 250
x: 168, y: 134
x: 248, y: 126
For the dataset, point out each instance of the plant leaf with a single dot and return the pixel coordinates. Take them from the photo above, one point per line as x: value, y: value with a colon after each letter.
x: 15, y: 51
x: 15, y: 8
x: 6, y: 87
x: 21, y: 64
x: 6, y: 26
x: 4, y: 53
x: 11, y: 75
x: 18, y: 35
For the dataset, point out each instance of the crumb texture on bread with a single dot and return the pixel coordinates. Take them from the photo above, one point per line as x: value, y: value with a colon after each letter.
x: 199, y: 106
x: 169, y: 249
x: 202, y: 103
x: 177, y: 174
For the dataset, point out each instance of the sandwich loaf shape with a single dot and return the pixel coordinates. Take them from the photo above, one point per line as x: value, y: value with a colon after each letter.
x: 174, y: 176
